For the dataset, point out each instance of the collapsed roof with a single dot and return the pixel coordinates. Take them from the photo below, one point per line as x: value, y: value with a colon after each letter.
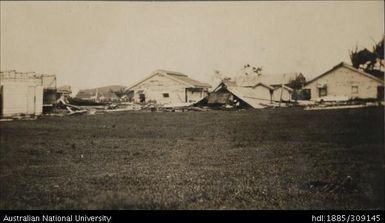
x: 248, y: 95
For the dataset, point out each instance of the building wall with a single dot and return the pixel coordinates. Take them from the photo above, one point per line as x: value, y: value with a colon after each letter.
x: 286, y: 94
x: 194, y: 95
x: 156, y: 86
x: 21, y: 98
x: 339, y: 82
x: 262, y: 92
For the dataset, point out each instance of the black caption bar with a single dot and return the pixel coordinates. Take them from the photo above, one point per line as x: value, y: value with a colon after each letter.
x: 112, y: 216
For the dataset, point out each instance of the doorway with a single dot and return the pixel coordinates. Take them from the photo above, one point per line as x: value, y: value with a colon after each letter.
x: 142, y: 98
x: 31, y: 101
x: 380, y: 93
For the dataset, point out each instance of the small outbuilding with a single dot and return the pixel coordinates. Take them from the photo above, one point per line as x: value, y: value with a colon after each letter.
x: 282, y: 93
x: 20, y: 93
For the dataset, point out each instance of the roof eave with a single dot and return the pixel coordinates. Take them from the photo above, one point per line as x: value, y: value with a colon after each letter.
x: 343, y: 64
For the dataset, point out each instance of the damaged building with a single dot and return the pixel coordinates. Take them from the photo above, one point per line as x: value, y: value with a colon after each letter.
x: 228, y: 93
x: 21, y: 93
x: 64, y: 91
x: 168, y: 88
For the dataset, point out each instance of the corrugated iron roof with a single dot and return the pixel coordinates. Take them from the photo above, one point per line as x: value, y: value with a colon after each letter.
x: 343, y: 64
x: 248, y: 95
x: 284, y: 87
x: 269, y: 79
x: 193, y: 82
x: 177, y: 76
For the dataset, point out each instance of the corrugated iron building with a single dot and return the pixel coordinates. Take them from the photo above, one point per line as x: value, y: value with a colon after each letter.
x: 22, y: 93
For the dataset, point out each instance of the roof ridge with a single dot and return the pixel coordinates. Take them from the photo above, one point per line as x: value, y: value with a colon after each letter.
x: 170, y: 72
x: 344, y: 64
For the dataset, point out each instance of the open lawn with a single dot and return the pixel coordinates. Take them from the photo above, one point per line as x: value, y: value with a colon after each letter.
x: 254, y: 159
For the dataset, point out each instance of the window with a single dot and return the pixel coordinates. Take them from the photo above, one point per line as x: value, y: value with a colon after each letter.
x: 322, y: 91
x: 166, y: 95
x: 354, y: 89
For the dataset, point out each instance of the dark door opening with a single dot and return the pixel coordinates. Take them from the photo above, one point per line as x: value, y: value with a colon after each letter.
x: 380, y: 93
x: 185, y: 94
x: 305, y: 94
x: 142, y: 98
x: 1, y: 101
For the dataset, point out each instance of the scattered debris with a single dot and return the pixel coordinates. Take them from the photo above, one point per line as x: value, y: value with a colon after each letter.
x: 6, y: 119
x: 92, y: 112
x: 341, y: 105
x: 76, y: 112
x: 25, y: 117
x: 197, y: 109
x: 334, y: 107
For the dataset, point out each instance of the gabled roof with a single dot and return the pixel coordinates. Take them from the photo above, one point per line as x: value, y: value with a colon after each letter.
x: 179, y: 77
x: 343, y: 64
x: 277, y: 87
x: 263, y: 85
x: 225, y: 82
x: 193, y: 82
x: 229, y: 83
x: 267, y: 78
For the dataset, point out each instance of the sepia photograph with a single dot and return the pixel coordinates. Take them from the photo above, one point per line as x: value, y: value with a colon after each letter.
x: 191, y: 105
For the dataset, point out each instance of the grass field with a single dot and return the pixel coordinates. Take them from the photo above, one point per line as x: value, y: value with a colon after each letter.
x: 255, y: 159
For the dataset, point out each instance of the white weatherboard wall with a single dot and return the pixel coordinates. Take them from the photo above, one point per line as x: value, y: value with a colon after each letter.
x: 286, y: 94
x: 339, y: 82
x: 194, y: 95
x: 155, y: 87
x: 21, y: 98
x: 261, y: 92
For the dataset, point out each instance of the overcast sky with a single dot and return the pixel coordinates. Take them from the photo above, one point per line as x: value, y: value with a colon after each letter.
x: 92, y: 44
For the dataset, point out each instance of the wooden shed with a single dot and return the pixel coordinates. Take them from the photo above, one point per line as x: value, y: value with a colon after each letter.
x: 20, y: 94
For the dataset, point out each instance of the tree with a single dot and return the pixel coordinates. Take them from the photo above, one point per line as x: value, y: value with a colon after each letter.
x: 247, y: 70
x: 378, y: 49
x: 369, y: 61
x: 298, y: 82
